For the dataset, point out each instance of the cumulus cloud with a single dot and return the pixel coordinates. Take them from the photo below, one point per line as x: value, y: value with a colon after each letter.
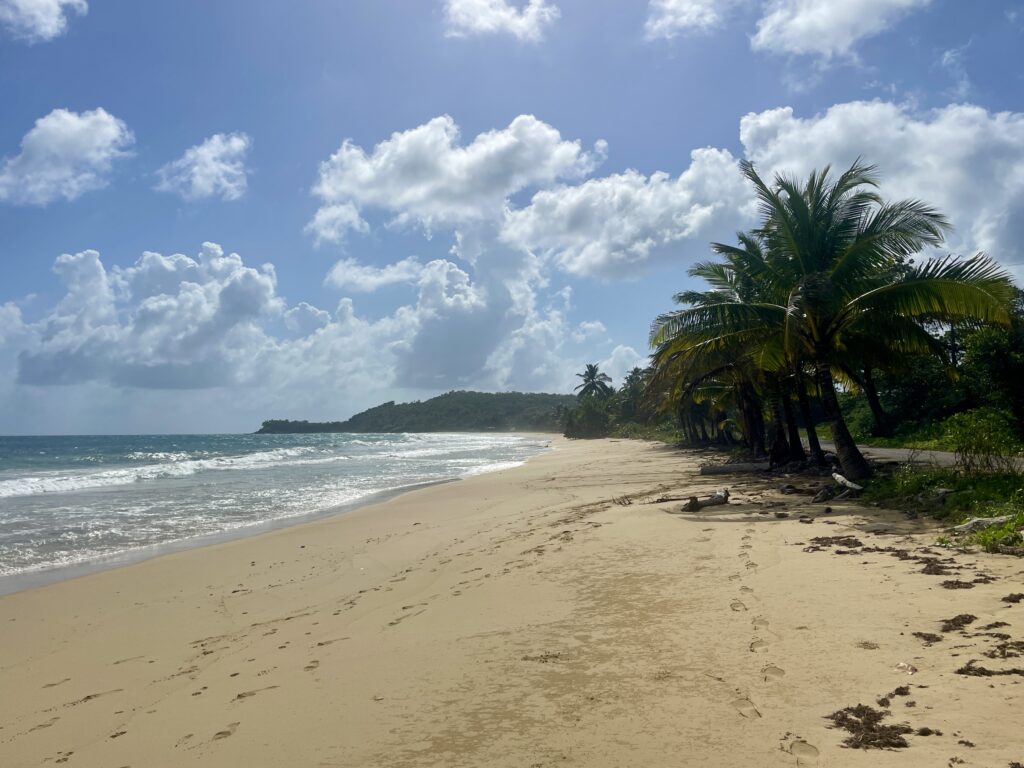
x: 668, y: 18
x: 164, y: 322
x: 39, y: 20
x: 826, y: 28
x: 610, y: 226
x: 423, y: 176
x: 588, y: 329
x: 215, y: 168
x: 64, y: 155
x: 978, y: 181
x: 349, y: 274
x: 480, y: 17
x: 621, y: 361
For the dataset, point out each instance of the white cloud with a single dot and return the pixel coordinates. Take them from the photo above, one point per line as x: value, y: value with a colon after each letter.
x: 39, y: 20
x: 963, y: 159
x: 826, y: 28
x: 424, y: 177
x: 621, y: 361
x: 215, y: 168
x: 588, y: 329
x: 954, y: 62
x: 668, y: 18
x: 64, y: 155
x: 611, y: 226
x: 477, y: 17
x: 351, y: 275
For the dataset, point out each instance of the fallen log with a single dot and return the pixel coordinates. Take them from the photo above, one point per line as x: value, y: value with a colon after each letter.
x: 694, y: 504
x: 727, y: 469
x: 980, y: 523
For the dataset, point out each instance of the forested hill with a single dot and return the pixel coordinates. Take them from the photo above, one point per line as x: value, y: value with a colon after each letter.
x: 451, y: 412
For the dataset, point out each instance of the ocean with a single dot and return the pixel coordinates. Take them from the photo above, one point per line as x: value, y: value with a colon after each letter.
x: 90, y: 500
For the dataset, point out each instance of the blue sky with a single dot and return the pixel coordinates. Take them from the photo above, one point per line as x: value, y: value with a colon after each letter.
x: 219, y: 212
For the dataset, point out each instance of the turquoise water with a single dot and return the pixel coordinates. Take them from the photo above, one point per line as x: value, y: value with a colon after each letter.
x: 84, y: 499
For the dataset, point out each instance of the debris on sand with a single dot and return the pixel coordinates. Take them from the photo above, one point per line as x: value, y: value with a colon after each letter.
x: 1016, y: 597
x: 928, y: 638
x: 818, y: 543
x: 957, y: 622
x: 1008, y: 649
x: 864, y: 724
x: 957, y: 584
x: 903, y: 666
x: 972, y: 669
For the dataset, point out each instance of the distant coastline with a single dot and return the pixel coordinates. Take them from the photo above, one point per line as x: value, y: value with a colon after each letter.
x: 459, y: 411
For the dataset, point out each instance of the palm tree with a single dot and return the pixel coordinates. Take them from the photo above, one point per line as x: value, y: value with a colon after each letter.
x: 821, y: 272
x: 594, y: 383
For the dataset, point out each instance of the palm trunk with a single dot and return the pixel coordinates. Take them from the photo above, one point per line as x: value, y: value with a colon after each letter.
x: 882, y: 426
x: 778, y: 447
x: 852, y: 461
x: 796, y: 447
x: 808, y: 417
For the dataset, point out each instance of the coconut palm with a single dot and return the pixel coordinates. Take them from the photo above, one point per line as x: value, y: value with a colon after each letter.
x: 825, y: 274
x: 595, y: 383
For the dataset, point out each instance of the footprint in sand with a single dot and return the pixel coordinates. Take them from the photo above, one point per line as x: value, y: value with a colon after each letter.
x: 751, y: 564
x: 312, y: 665
x: 746, y: 590
x: 743, y: 555
x: 737, y: 605
x: 734, y: 577
x: 771, y: 673
x: 757, y: 645
x: 229, y: 731
x: 746, y: 546
x: 760, y: 622
x: 805, y: 753
x: 746, y: 708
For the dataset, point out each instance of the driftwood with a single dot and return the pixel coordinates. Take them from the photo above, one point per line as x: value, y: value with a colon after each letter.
x: 979, y: 523
x: 846, y: 483
x: 719, y: 497
x: 728, y: 469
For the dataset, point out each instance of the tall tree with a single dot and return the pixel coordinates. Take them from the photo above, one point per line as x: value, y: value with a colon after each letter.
x: 595, y: 383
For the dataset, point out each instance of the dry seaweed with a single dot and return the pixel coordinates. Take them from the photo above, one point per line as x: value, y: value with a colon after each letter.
x: 972, y: 669
x: 864, y: 724
x: 1016, y: 597
x: 957, y: 622
x: 928, y: 638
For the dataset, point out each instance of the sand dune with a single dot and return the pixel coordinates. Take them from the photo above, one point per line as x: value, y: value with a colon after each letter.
x: 550, y: 615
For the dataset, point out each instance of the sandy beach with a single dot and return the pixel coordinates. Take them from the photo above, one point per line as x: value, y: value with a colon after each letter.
x: 549, y: 615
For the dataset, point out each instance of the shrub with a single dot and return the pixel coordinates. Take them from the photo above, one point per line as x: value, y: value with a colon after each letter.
x: 984, y: 441
x: 589, y: 419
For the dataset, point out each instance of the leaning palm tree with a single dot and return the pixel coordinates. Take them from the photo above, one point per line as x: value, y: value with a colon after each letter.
x: 832, y: 248
x: 594, y: 383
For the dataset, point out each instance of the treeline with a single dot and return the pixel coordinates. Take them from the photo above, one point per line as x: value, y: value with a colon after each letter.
x: 827, y: 315
x: 452, y: 412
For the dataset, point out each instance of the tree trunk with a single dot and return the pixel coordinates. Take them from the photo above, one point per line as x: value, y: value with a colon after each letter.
x: 796, y: 446
x: 778, y: 447
x: 855, y: 466
x: 808, y: 417
x: 882, y: 426
x: 755, y: 418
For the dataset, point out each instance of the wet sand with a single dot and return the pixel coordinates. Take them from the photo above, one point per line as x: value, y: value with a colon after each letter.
x: 547, y: 615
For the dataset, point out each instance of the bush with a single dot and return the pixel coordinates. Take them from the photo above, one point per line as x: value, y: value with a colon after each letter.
x: 984, y: 441
x: 590, y: 419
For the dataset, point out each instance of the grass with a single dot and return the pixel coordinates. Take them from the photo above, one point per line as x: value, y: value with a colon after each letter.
x: 664, y: 432
x: 968, y: 496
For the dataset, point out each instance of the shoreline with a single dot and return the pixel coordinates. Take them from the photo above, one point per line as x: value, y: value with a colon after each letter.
x: 51, y: 574
x: 556, y: 613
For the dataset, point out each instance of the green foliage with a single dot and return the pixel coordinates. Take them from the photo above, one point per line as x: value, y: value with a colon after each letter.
x: 595, y: 383
x: 996, y: 537
x: 915, y: 488
x: 451, y: 412
x: 664, y: 432
x: 984, y: 441
x: 589, y: 419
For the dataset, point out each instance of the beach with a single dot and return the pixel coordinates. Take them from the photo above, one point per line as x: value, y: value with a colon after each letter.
x: 553, y: 614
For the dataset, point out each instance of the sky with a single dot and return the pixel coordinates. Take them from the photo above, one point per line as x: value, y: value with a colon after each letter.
x: 215, y: 212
